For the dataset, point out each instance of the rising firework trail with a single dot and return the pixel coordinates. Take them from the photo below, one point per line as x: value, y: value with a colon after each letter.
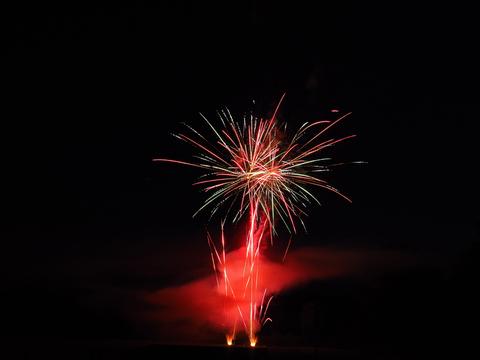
x: 254, y: 170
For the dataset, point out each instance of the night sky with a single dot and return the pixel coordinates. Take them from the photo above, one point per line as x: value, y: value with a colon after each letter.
x: 92, y: 91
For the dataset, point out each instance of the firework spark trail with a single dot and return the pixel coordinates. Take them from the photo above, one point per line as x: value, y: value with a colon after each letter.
x: 249, y: 164
x: 246, y: 291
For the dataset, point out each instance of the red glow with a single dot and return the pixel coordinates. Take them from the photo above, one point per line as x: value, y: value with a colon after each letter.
x: 197, y: 311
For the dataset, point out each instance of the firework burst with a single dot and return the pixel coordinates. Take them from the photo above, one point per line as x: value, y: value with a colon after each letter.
x: 250, y: 162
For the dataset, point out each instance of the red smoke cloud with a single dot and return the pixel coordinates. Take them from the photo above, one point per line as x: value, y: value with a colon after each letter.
x: 196, y: 311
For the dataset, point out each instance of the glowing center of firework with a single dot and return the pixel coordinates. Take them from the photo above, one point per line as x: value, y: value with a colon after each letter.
x: 253, y: 342
x: 263, y: 176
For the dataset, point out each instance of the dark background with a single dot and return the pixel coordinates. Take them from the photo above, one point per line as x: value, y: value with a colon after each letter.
x: 91, y: 91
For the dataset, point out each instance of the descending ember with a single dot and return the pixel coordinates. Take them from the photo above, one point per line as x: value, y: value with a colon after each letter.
x: 262, y: 175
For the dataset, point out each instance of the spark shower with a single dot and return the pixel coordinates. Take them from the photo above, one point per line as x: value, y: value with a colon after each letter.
x: 252, y: 170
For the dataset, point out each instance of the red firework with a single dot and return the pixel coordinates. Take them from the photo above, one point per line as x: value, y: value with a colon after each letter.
x: 251, y: 165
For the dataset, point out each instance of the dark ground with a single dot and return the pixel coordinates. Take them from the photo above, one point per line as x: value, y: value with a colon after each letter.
x: 91, y: 91
x: 138, y: 350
